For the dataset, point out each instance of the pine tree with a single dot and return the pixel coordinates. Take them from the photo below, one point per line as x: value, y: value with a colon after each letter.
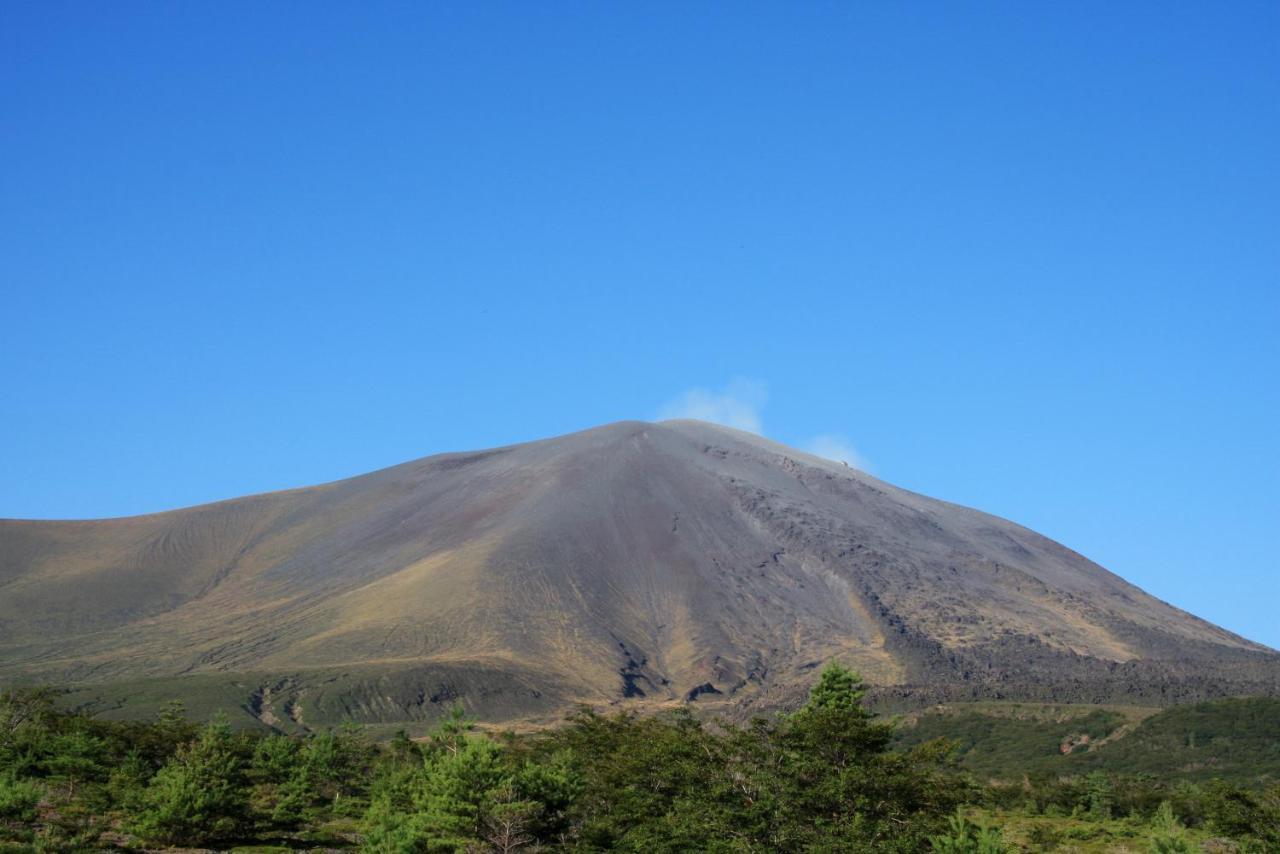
x: 833, y: 727
x: 75, y: 757
x: 1100, y: 796
x: 198, y: 796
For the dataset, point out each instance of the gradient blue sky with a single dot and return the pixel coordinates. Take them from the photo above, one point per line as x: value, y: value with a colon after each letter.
x: 1021, y: 256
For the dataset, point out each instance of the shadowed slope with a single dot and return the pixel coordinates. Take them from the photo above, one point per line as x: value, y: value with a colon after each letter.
x: 667, y: 561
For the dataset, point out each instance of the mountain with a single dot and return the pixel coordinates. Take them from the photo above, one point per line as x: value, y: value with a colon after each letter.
x: 668, y: 562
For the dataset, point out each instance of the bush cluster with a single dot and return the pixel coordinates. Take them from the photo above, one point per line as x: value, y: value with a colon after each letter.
x: 824, y: 778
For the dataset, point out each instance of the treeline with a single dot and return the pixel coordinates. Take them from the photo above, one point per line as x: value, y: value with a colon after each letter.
x: 821, y: 779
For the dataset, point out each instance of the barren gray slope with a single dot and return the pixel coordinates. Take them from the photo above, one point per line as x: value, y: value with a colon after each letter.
x: 666, y: 560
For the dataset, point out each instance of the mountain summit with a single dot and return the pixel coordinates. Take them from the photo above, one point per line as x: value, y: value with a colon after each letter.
x: 666, y: 562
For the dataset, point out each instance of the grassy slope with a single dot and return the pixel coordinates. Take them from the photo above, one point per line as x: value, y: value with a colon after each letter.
x: 382, y: 698
x: 1235, y: 739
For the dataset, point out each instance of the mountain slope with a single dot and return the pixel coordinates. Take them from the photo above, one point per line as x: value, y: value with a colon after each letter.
x: 663, y: 561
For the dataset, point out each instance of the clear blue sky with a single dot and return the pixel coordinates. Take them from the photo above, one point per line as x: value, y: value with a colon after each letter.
x: 1021, y: 256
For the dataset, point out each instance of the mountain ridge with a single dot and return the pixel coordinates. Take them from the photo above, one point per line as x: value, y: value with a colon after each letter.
x: 644, y: 562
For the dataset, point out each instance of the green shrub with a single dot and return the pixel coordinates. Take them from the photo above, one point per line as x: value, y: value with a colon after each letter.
x: 1169, y: 837
x: 1046, y: 836
x: 18, y: 799
x: 965, y: 837
x: 1100, y: 796
x: 1241, y: 814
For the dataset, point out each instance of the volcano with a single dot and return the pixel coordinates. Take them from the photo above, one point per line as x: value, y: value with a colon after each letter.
x: 634, y: 563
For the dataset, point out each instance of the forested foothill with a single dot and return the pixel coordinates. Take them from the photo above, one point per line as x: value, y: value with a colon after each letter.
x: 830, y: 777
